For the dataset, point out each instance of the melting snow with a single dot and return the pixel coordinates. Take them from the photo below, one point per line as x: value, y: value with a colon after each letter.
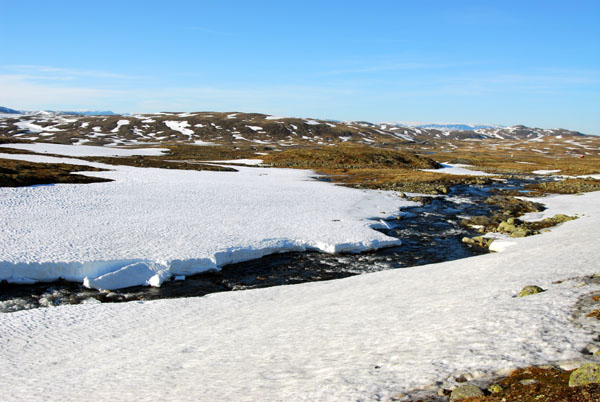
x: 458, y: 169
x: 312, y: 122
x: 150, y: 224
x: 119, y: 124
x: 546, y: 171
x: 180, y: 126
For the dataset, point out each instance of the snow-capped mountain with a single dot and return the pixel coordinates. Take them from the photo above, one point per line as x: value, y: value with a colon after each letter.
x: 6, y: 110
x: 443, y: 126
x: 242, y: 128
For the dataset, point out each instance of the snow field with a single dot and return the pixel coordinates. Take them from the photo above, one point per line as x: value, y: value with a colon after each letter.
x: 85, y: 150
x: 367, y: 337
x: 151, y: 224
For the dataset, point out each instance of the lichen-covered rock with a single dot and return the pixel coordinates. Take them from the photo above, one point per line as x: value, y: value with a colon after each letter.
x: 506, y: 227
x: 465, y: 391
x: 478, y: 241
x: 530, y: 290
x: 587, y: 374
x: 495, y: 388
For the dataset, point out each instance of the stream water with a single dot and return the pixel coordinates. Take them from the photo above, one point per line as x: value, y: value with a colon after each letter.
x: 430, y: 233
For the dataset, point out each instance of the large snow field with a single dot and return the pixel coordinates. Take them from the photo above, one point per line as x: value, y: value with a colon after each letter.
x: 85, y: 150
x: 150, y: 224
x: 366, y: 337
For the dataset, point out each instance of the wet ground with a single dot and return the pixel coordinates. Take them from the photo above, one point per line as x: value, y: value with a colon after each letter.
x: 430, y: 233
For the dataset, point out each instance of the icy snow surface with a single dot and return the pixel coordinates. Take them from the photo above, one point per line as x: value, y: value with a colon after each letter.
x: 458, y: 169
x: 366, y: 338
x: 151, y: 224
x: 85, y: 150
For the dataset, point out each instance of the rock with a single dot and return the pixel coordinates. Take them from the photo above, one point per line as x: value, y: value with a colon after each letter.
x: 506, y: 227
x: 465, y: 391
x: 468, y: 240
x: 587, y: 374
x: 514, y: 221
x: 495, y: 388
x: 478, y: 241
x: 520, y: 232
x: 530, y: 290
x: 528, y: 381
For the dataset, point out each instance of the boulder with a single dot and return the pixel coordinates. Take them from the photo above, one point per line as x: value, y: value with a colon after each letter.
x: 587, y: 374
x: 530, y: 290
x: 465, y: 391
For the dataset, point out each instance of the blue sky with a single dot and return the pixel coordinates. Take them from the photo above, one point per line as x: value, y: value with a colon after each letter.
x: 506, y: 62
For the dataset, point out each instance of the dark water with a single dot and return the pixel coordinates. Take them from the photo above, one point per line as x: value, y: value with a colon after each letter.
x: 430, y: 233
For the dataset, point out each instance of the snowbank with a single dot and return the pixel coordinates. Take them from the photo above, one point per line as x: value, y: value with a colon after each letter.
x: 150, y: 224
x: 367, y: 337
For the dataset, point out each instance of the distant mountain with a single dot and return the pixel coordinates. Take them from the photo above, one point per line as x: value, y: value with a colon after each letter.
x: 87, y: 113
x: 457, y: 127
x: 7, y: 110
x: 443, y: 126
x: 255, y: 129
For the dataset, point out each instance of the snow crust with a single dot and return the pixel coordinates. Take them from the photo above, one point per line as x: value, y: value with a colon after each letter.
x: 85, y: 150
x: 151, y: 224
x: 367, y: 337
x: 458, y: 169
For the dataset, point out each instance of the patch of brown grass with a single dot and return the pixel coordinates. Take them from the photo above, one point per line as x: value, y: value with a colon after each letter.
x: 508, y: 156
x: 568, y: 186
x: 349, y: 157
x: 14, y: 173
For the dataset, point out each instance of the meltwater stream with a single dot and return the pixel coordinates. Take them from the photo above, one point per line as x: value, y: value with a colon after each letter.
x: 430, y: 233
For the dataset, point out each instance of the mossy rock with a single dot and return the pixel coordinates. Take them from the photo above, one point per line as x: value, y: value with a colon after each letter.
x: 530, y: 290
x: 521, y: 232
x: 587, y: 374
x: 465, y: 391
x: 506, y: 227
x: 560, y: 218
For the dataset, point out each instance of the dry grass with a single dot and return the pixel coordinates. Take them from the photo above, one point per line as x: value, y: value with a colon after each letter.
x: 371, y: 167
x: 349, y: 157
x: 15, y: 173
x: 508, y: 157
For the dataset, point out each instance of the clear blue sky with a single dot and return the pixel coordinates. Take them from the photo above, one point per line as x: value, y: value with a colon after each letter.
x: 505, y: 62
